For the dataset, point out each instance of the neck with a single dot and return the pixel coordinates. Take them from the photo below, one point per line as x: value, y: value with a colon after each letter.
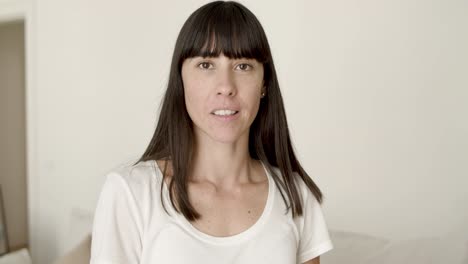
x: 223, y: 164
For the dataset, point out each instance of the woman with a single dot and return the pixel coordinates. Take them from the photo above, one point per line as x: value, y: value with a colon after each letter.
x: 219, y: 181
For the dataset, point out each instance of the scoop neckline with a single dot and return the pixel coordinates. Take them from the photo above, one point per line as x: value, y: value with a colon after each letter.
x: 237, y: 238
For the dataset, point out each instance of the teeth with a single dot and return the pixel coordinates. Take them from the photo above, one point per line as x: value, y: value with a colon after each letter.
x: 224, y: 112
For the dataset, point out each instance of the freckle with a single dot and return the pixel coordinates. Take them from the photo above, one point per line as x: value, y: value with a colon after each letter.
x: 249, y: 211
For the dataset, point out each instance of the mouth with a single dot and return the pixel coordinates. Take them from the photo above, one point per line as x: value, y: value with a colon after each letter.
x: 225, y: 115
x: 224, y: 112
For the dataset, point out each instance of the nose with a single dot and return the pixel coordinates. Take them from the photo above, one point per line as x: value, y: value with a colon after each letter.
x: 226, y: 83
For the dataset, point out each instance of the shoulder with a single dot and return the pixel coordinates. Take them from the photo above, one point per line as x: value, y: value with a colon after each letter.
x: 133, y: 181
x: 131, y: 189
x: 305, y: 193
x: 141, y: 173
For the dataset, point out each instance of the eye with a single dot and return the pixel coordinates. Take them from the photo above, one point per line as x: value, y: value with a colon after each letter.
x: 244, y: 67
x: 205, y: 65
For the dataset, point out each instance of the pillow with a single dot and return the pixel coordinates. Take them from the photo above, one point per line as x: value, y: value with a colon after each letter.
x: 17, y: 257
x: 350, y: 247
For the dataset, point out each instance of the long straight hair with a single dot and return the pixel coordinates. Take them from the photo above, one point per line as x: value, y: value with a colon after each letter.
x: 231, y: 29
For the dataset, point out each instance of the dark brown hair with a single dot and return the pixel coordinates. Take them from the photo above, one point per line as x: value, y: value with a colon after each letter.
x: 231, y: 29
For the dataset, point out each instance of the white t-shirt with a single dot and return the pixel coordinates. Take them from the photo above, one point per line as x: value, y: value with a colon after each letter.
x: 131, y: 226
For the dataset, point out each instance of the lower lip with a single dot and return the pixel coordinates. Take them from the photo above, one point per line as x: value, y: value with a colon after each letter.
x: 226, y: 118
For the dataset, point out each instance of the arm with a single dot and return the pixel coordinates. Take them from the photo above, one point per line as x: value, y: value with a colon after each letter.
x: 314, y: 239
x: 117, y: 226
x: 313, y: 261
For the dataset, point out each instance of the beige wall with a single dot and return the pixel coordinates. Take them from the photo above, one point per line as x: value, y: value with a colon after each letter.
x: 12, y: 131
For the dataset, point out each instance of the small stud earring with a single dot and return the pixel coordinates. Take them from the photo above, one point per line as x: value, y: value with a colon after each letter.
x: 263, y: 94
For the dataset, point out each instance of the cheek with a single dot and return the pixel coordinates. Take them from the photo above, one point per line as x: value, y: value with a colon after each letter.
x: 252, y: 90
x: 251, y: 101
x: 190, y: 86
x: 194, y: 98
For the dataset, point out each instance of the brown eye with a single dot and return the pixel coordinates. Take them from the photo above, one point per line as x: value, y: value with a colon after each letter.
x: 204, y: 65
x: 244, y: 67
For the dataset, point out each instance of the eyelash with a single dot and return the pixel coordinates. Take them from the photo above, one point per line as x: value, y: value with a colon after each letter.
x: 200, y: 65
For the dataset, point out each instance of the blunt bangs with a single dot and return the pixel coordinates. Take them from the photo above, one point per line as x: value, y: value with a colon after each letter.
x: 224, y: 27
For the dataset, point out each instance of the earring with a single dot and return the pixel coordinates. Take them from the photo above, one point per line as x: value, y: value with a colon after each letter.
x: 263, y: 94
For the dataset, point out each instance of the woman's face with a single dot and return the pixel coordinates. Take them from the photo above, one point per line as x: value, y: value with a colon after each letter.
x: 222, y: 95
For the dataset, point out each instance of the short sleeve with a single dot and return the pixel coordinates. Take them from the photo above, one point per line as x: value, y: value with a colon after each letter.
x: 313, y: 231
x: 117, y: 225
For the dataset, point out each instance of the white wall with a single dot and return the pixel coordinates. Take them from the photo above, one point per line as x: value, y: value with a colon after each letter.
x: 13, y: 9
x: 388, y: 126
x: 375, y: 92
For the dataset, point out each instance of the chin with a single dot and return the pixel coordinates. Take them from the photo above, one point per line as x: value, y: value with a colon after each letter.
x: 226, y: 138
x: 227, y: 134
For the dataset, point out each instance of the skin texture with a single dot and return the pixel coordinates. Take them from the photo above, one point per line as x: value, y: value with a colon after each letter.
x: 221, y: 153
x: 223, y: 174
x: 221, y: 160
x: 216, y: 83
